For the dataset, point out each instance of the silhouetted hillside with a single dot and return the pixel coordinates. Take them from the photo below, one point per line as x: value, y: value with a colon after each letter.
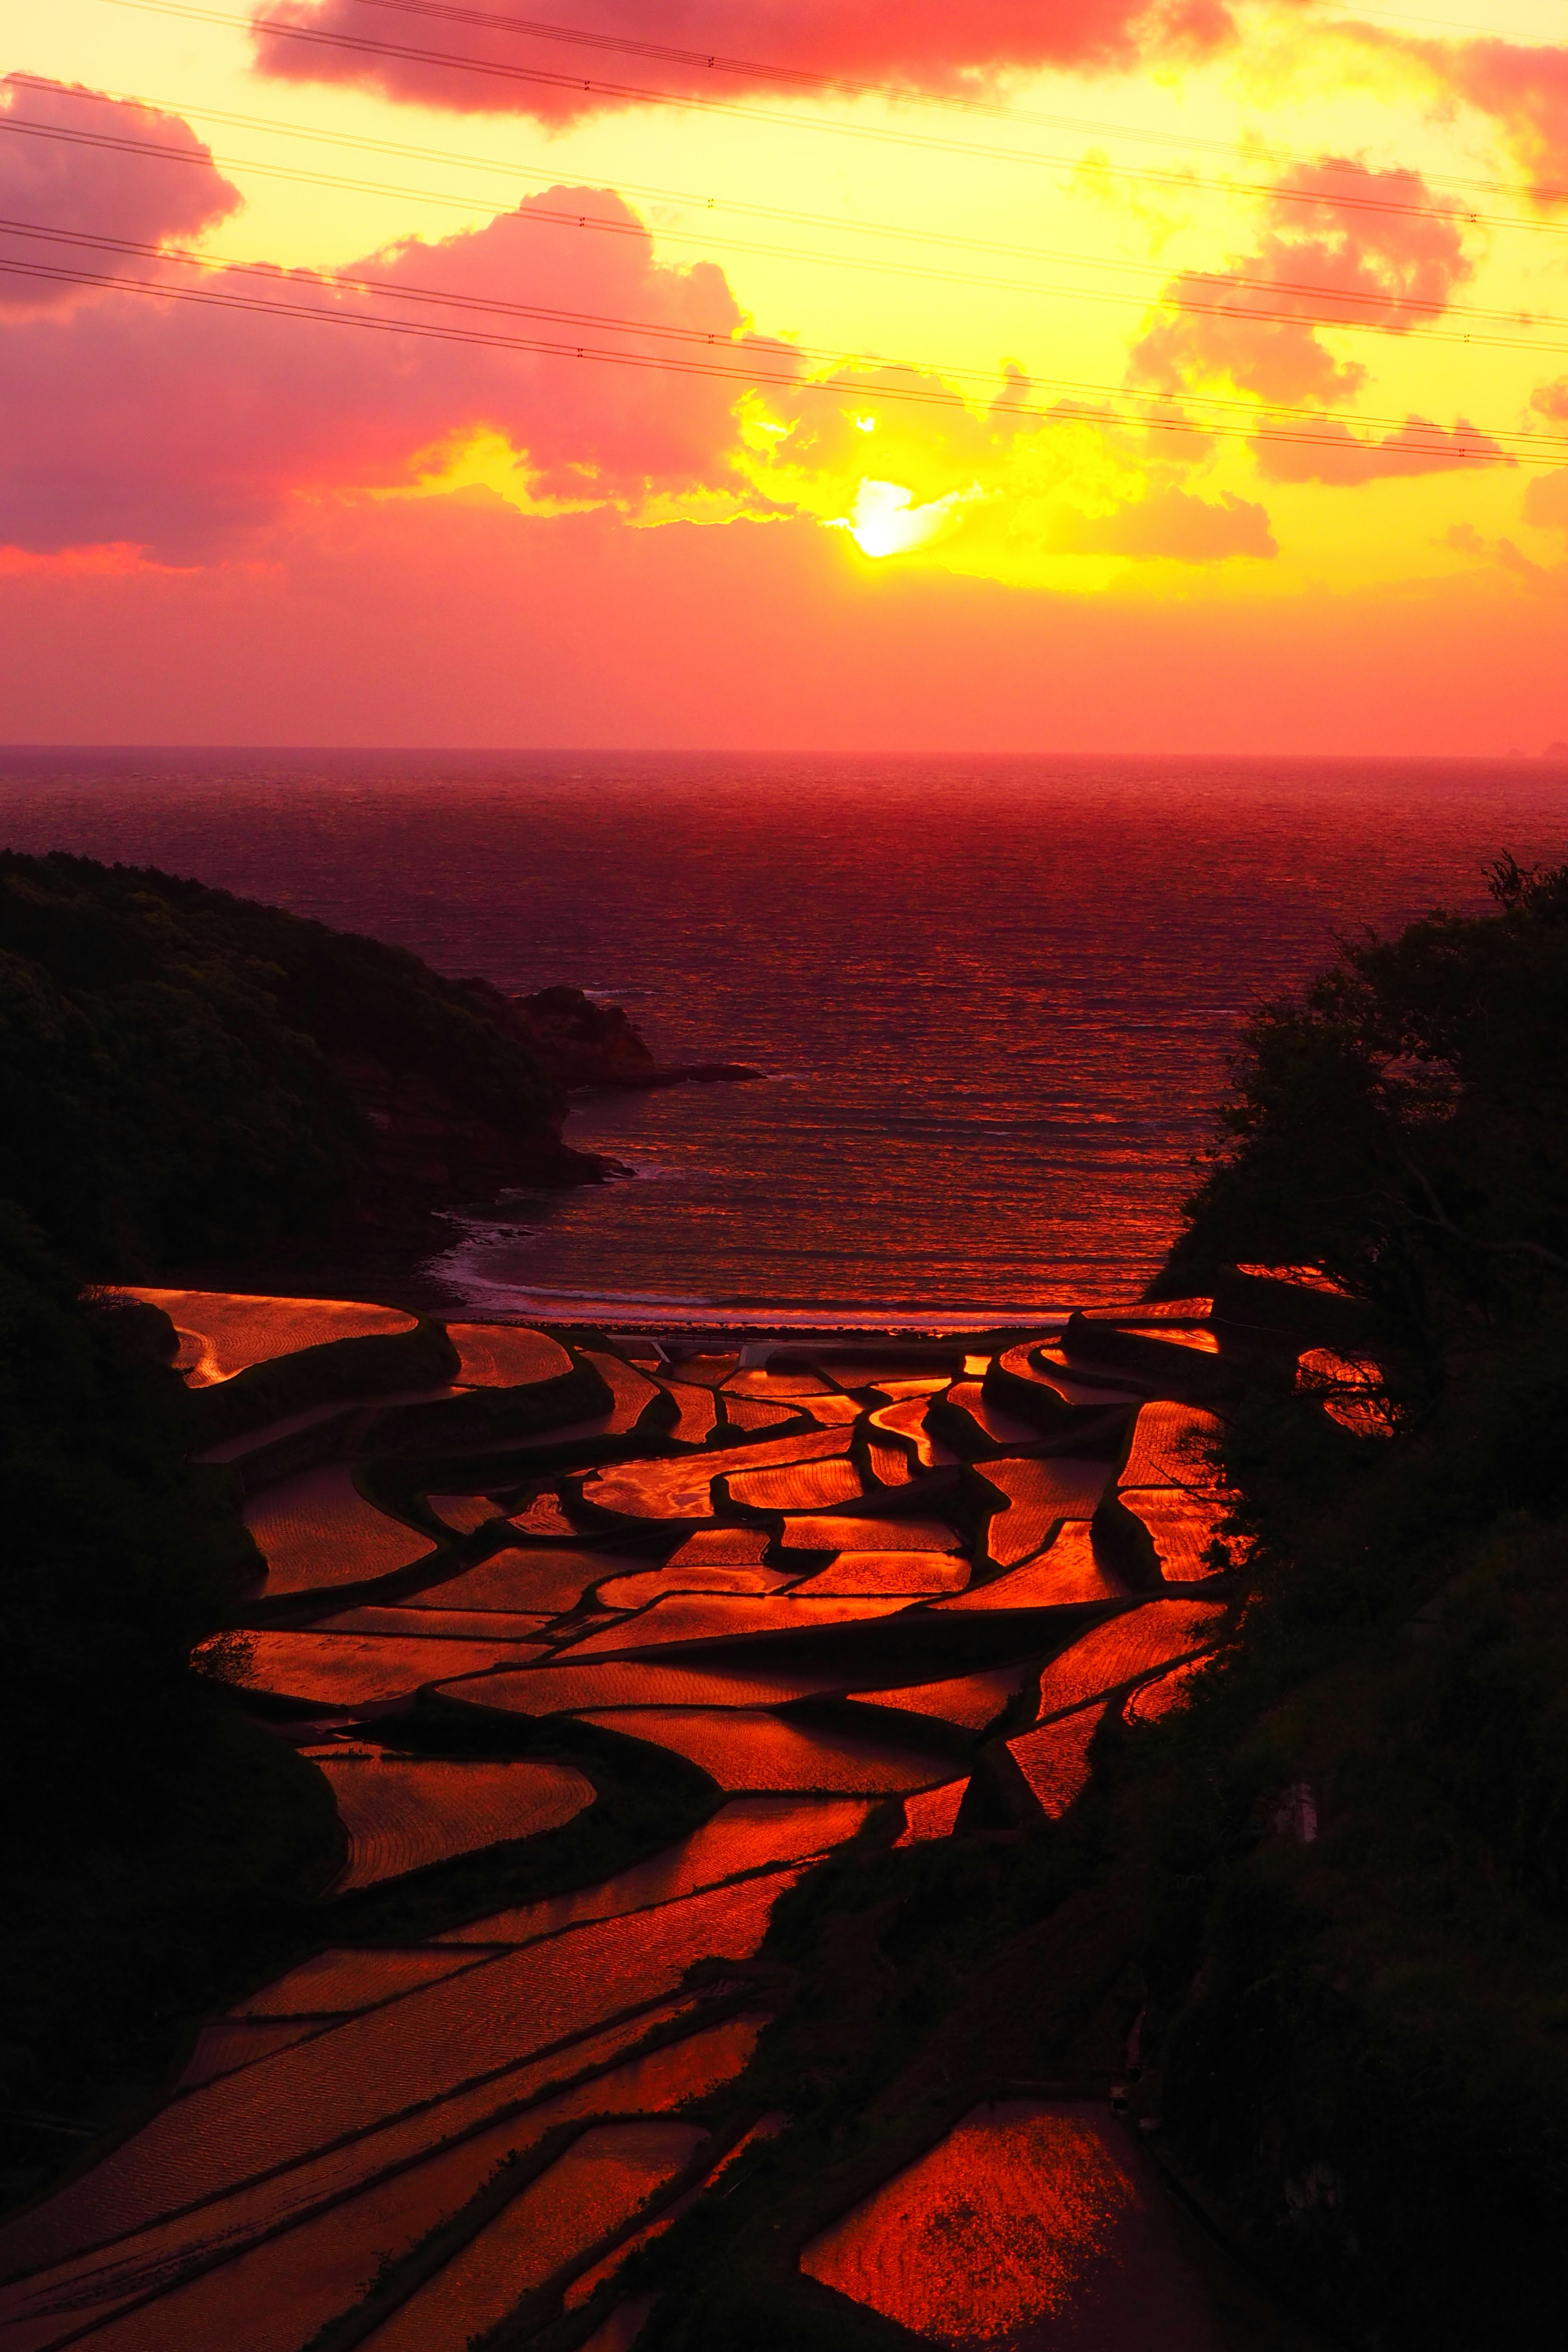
x: 184, y: 1073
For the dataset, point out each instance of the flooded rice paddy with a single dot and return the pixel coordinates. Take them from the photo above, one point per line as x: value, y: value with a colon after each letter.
x: 906, y: 1619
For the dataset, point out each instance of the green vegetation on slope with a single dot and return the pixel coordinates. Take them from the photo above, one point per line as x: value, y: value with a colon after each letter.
x: 185, y: 1073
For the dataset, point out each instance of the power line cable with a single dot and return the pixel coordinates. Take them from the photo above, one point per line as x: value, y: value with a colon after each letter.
x: 1543, y: 448
x: 840, y: 86
x: 1416, y: 313
x: 354, y: 44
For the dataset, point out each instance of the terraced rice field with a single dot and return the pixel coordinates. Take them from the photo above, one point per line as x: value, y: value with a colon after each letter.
x: 1036, y: 1495
x: 1054, y: 1759
x: 350, y: 1670
x: 724, y: 1617
x: 1169, y: 1448
x: 748, y: 1833
x: 932, y: 1814
x: 971, y: 1700
x: 1031, y: 2226
x: 920, y: 1575
x: 604, y: 2180
x: 861, y: 1532
x: 1183, y: 1528
x: 402, y: 1813
x: 727, y: 1595
x: 463, y: 1513
x: 746, y: 1750
x: 224, y: 1331
x: 506, y: 1356
x: 1065, y: 1571
x: 1137, y: 1642
x: 317, y: 1531
x: 519, y: 1581
x: 696, y: 1414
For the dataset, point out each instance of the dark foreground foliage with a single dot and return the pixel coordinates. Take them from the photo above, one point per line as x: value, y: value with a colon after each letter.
x: 143, y: 1823
x: 1364, y: 2040
x: 185, y: 1073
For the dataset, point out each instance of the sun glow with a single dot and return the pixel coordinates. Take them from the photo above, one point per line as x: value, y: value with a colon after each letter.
x: 885, y: 520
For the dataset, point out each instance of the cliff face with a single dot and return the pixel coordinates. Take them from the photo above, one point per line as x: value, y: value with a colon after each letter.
x: 429, y: 1148
x: 582, y: 1042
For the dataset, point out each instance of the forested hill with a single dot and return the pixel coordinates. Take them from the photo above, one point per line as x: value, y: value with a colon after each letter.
x: 1363, y: 2038
x: 187, y: 1075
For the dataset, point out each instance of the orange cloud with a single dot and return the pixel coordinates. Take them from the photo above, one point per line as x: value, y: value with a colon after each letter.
x: 404, y: 49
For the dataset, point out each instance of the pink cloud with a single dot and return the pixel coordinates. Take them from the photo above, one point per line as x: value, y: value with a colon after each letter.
x: 1525, y: 87
x: 924, y: 45
x: 60, y: 184
x: 1328, y: 254
x: 181, y: 427
x: 1326, y: 451
x: 1172, y: 523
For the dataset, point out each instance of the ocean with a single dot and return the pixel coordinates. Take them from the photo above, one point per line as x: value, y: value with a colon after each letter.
x: 993, y: 998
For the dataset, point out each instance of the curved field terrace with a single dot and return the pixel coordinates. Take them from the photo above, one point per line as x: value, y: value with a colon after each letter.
x: 609, y: 1702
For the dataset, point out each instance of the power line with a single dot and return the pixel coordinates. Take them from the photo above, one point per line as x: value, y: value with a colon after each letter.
x: 354, y: 44
x: 1533, y: 449
x: 839, y: 86
x: 1405, y: 325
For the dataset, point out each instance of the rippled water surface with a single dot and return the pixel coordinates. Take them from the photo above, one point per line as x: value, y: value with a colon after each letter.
x: 993, y: 998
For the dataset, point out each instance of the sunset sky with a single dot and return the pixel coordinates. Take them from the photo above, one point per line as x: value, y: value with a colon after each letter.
x: 1002, y: 376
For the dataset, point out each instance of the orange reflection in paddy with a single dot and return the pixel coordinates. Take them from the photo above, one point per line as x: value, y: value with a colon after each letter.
x: 600, y: 2182
x: 867, y: 1534
x: 290, y: 2286
x: 1065, y: 1571
x: 758, y: 1751
x: 343, y: 1980
x: 1183, y: 1529
x: 745, y: 1834
x: 633, y: 1390
x: 431, y: 1624
x: 637, y: 1682
x: 1035, y: 1495
x: 696, y: 1414
x: 1054, y: 1760
x: 932, y: 1814
x: 1152, y: 1700
x: 356, y: 1669
x: 650, y: 1584
x: 1171, y: 1445
x: 718, y: 1616
x: 518, y: 1579
x: 114, y: 2196
x: 223, y: 1331
x: 318, y: 1530
x: 993, y: 2236
x: 404, y: 1813
x: 795, y: 1487
x: 1135, y: 1643
x: 913, y: 1573
x: 969, y: 1700
x: 755, y: 1413
x: 506, y: 1355
x: 709, y: 1547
